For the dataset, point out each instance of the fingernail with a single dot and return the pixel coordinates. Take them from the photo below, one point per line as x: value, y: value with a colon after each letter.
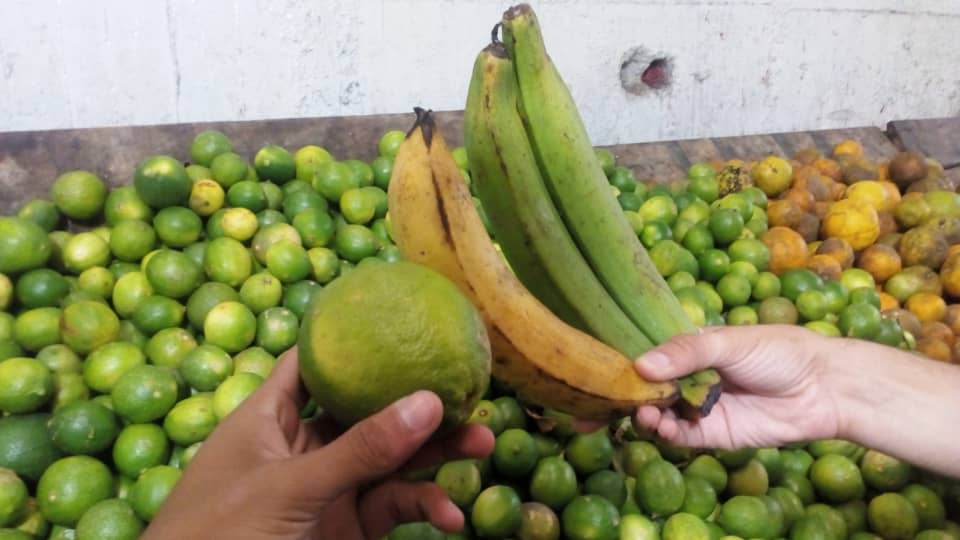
x: 416, y: 411
x: 655, y: 362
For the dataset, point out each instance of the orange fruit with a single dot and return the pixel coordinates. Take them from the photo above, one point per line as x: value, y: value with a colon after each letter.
x: 873, y: 193
x: 772, y: 175
x: 803, y: 199
x: 888, y: 301
x: 829, y: 167
x: 820, y: 209
x: 837, y: 190
x: 935, y: 349
x: 927, y: 306
x: 810, y: 179
x: 937, y: 330
x: 952, y: 318
x: 880, y: 261
x: 892, y: 191
x: 854, y: 221
x: 888, y: 223
x: 783, y: 213
x: 787, y: 249
x: 953, y: 250
x: 950, y: 273
x: 848, y: 147
x: 807, y: 155
x: 839, y: 249
x: 825, y: 266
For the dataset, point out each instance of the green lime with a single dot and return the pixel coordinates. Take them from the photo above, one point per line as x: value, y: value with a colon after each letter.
x: 25, y: 385
x: 460, y: 480
x: 515, y: 453
x: 83, y: 427
x: 358, y: 206
x: 742, y: 315
x: 831, y: 517
x: 681, y: 280
x: 139, y: 447
x: 700, y: 498
x: 177, y: 226
x: 260, y: 292
x: 496, y: 512
x: 865, y: 295
x: 168, y: 347
x: 205, y: 367
x: 745, y: 516
x: 254, y: 360
x: 239, y: 224
x: 390, y: 143
x: 704, y: 186
x: 623, y: 179
x: 228, y: 168
x: 79, y: 194
x: 155, y: 313
x: 749, y: 479
x: 110, y: 519
x: 151, y: 490
x: 734, y: 290
x: 752, y: 251
x: 512, y: 412
x: 929, y: 507
x: 797, y: 280
x: 590, y: 517
x: 23, y: 245
x: 227, y: 261
x: 207, y: 145
x: 68, y: 387
x: 812, y: 305
x: 277, y: 329
x: 362, y: 171
x: 60, y: 359
x: 324, y: 264
x: 288, y: 261
x: 124, y: 203
x: 710, y: 469
x: 191, y: 420
x: 307, y: 199
x: 274, y: 194
x: 790, y: 505
x: 315, y: 227
x: 836, y: 295
x: 714, y: 264
x: 71, y: 486
x: 33, y: 523
x: 205, y: 298
x: 659, y: 208
x: 488, y: 414
x: 811, y: 528
x: 660, y: 488
x: 631, y: 202
x: 890, y: 332
x: 799, y: 485
x: 41, y: 288
x: 884, y: 473
x: 121, y: 268
x: 860, y: 321
x: 247, y: 194
x: 590, y: 452
x: 130, y: 333
x: 85, y: 250
x: 37, y: 328
x: 685, y: 526
x: 269, y: 217
x: 777, y: 310
x: 698, y: 239
x: 97, y: 281
x: 25, y: 445
x: 607, y: 484
x: 797, y: 461
x: 854, y: 514
x: 198, y: 172
x: 382, y: 169
x: 747, y: 270
x: 268, y: 236
x: 307, y: 158
x: 87, y: 325
x: 356, y: 242
x: 56, y: 240
x: 892, y: 516
x: 206, y: 197
x: 836, y: 478
x: 726, y: 225
x: 233, y: 391
x: 13, y: 498
x: 636, y: 222
x: 42, y: 212
x: 173, y: 274
x: 333, y: 179
x: 297, y: 296
x: 162, y: 181
x: 275, y: 163
x: 230, y: 326
x: 145, y: 393
x: 379, y: 198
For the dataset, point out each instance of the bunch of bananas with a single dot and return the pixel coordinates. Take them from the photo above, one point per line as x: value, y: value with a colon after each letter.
x: 580, y: 295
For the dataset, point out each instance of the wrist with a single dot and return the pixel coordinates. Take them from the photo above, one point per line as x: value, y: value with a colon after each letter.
x: 851, y: 383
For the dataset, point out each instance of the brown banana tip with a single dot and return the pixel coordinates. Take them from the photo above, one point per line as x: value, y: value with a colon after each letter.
x: 497, y: 50
x: 516, y: 11
x: 425, y: 122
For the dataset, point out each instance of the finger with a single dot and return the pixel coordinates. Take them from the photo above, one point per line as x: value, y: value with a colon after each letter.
x: 284, y: 381
x: 686, y: 353
x: 470, y: 441
x: 648, y: 417
x: 368, y: 451
x: 393, y: 503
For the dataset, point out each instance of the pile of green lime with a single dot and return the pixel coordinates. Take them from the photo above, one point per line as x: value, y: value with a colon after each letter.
x: 133, y: 319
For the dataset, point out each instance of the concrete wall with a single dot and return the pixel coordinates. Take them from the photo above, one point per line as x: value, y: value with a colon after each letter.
x: 737, y: 66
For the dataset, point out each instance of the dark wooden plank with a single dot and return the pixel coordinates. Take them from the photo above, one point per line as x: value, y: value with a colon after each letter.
x: 659, y: 162
x: 938, y: 138
x: 876, y: 145
x: 748, y: 148
x: 794, y: 142
x: 700, y: 150
x: 31, y: 160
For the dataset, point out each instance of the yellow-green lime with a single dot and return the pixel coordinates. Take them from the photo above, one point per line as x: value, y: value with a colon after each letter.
x: 929, y: 507
x: 156, y: 312
x: 227, y: 261
x: 261, y: 291
x: 590, y: 452
x: 68, y: 387
x: 97, y: 281
x: 799, y: 485
x: 110, y: 519
x: 515, y: 453
x: 324, y: 264
x: 660, y: 488
x: 635, y: 454
x: 277, y: 329
x: 270, y: 235
x: 26, y: 384
x: 37, y: 328
x: 230, y: 326
x: 854, y: 514
x: 254, y: 360
x: 205, y: 298
x: 700, y: 499
x: 745, y: 516
x: 892, y: 516
x: 233, y: 391
x: 830, y: 516
x: 685, y: 526
x: 836, y: 478
x: 710, y: 469
x: 13, y: 497
x: 42, y: 212
x: 139, y: 447
x: 884, y: 473
x: 87, y: 325
x: 607, y: 484
x: 124, y: 203
x: 460, y: 480
x: 173, y: 274
x: 307, y: 158
x: 23, y: 245
x: 169, y: 346
x: 129, y: 291
x: 288, y: 261
x: 60, y: 359
x: 151, y: 490
x: 538, y: 522
x: 162, y: 181
x: 85, y: 250
x: 191, y: 420
x: 207, y: 145
x: 205, y: 367
x: 228, y: 168
x: 488, y: 414
x: 177, y: 226
x: 83, y: 427
x: 750, y: 479
x: 590, y: 517
x: 71, y: 486
x: 496, y: 512
x: 79, y: 194
x: 553, y: 482
x: 144, y: 393
x: 790, y: 505
x: 269, y: 217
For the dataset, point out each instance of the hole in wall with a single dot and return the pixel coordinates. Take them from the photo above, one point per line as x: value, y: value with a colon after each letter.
x: 643, y: 71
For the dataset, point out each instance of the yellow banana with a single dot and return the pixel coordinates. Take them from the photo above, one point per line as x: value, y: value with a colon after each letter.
x: 538, y: 355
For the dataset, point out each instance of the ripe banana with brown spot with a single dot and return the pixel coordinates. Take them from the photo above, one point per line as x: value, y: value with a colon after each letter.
x: 539, y: 356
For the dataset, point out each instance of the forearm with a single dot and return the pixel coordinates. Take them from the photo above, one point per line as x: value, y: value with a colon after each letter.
x: 896, y: 402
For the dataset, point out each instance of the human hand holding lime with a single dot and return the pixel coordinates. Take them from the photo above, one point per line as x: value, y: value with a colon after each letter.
x: 786, y: 384
x: 265, y: 470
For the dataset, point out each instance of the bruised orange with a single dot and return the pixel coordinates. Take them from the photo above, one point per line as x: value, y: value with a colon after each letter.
x: 839, y: 249
x: 787, y: 249
x: 935, y: 349
x: 829, y: 167
x: 848, y: 147
x: 825, y: 266
x: 880, y: 261
x: 888, y: 301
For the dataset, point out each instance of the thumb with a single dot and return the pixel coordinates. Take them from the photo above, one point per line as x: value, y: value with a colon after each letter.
x: 684, y: 354
x: 370, y: 450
